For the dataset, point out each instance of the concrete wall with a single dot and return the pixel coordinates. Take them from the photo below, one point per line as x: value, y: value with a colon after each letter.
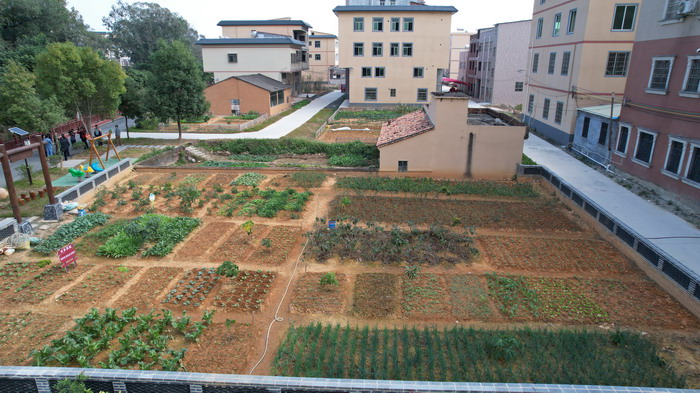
x: 590, y: 145
x: 511, y: 61
x: 431, y: 50
x: 494, y: 153
x: 245, y: 31
x: 459, y: 41
x: 589, y: 46
x: 269, y: 60
x: 321, y: 69
x: 252, y: 98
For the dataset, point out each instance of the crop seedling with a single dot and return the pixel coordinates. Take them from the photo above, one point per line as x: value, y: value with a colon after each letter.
x: 266, y: 242
x: 227, y: 269
x: 412, y: 271
x: 43, y: 263
x: 329, y: 279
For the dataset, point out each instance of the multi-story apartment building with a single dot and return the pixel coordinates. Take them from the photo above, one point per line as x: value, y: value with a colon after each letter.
x: 394, y: 51
x: 658, y: 135
x: 579, y: 55
x: 323, y: 56
x: 275, y: 48
x: 496, y: 63
x: 459, y: 42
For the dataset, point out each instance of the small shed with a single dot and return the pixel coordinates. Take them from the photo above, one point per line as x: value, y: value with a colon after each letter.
x: 594, y: 130
x: 245, y: 93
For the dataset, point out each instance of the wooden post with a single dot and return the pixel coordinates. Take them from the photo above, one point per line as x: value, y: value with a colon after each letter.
x: 45, y: 171
x: 7, y: 170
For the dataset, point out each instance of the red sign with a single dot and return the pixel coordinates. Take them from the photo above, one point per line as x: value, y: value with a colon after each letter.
x: 67, y: 256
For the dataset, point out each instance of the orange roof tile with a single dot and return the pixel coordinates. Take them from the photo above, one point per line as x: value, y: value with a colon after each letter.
x: 406, y: 126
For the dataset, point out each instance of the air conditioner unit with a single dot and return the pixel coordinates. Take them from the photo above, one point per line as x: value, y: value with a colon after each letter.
x: 687, y: 7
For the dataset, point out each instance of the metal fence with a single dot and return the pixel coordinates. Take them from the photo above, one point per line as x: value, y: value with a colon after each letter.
x: 43, y: 379
x: 90, y: 184
x: 686, y: 279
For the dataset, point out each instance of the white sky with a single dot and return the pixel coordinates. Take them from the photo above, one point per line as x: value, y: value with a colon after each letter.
x: 203, y: 15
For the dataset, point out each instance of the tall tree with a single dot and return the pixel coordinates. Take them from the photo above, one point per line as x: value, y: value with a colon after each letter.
x: 21, y: 106
x: 81, y: 80
x: 176, y: 84
x: 136, y: 28
x: 133, y: 100
x: 30, y: 18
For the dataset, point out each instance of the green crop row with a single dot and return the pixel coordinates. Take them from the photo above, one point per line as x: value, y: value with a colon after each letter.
x: 70, y: 231
x: 425, y: 185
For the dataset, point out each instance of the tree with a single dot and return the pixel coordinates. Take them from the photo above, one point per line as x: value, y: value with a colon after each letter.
x: 31, y: 18
x: 176, y: 84
x: 81, y: 81
x: 133, y: 100
x: 21, y: 106
x: 135, y: 29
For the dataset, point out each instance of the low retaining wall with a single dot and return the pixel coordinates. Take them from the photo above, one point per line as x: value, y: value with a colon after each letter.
x: 88, y: 185
x: 42, y: 379
x: 659, y: 260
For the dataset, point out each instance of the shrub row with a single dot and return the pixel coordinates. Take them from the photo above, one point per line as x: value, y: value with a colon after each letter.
x: 69, y: 232
x: 423, y: 185
x: 292, y: 146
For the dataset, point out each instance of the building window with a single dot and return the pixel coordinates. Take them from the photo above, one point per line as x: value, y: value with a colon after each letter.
x: 370, y: 94
x: 377, y: 24
x: 645, y: 147
x: 693, y: 171
x: 377, y: 49
x: 565, y: 60
x: 622, y: 139
x: 660, y: 73
x: 535, y: 62
x: 531, y: 103
x: 556, y: 28
x: 673, y: 9
x: 317, y: 44
x: 407, y: 24
x: 366, y: 72
x: 519, y: 86
x: 545, y: 108
x: 382, y: 2
x: 403, y: 166
x: 407, y: 49
x: 277, y: 98
x: 418, y: 72
x: 691, y: 84
x: 572, y: 22
x: 358, y: 24
x: 394, y: 49
x: 392, y: 92
x: 617, y: 64
x: 552, y: 62
x: 586, y: 127
x: 422, y: 95
x: 233, y: 57
x: 317, y: 56
x: 379, y: 72
x: 559, y: 112
x: 623, y: 20
x: 395, y: 24
x: 603, y: 136
x: 540, y: 26
x: 359, y: 49
x: 674, y: 156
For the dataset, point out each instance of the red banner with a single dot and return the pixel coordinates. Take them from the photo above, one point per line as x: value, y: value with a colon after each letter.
x: 67, y: 256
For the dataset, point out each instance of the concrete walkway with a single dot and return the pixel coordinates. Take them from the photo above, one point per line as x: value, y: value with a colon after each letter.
x: 665, y: 230
x: 279, y: 129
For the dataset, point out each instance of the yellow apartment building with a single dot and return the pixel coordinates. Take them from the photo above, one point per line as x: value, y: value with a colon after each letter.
x: 323, y: 56
x: 459, y: 42
x: 579, y: 56
x: 394, y: 52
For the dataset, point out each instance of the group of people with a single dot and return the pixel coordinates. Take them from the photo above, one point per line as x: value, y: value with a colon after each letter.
x: 68, y: 140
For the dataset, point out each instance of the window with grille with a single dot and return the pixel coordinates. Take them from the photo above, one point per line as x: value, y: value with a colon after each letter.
x: 565, y: 60
x: 377, y: 24
x: 531, y: 103
x: 233, y: 57
x: 317, y: 44
x: 519, y: 86
x: 586, y: 127
x: 692, y: 75
x: 359, y: 49
x: 645, y: 147
x: 559, y: 112
x: 623, y: 20
x: 674, y: 156
x: 545, y: 109
x: 660, y: 73
x: 422, y: 94
x: 403, y: 166
x: 673, y: 9
x: 622, y: 140
x: 358, y: 24
x: 693, y: 172
x: 535, y: 62
x: 557, y: 25
x: 377, y: 49
x: 370, y: 94
x: 617, y: 64
x: 552, y: 62
x: 603, y: 135
x: 392, y: 92
x: 317, y: 56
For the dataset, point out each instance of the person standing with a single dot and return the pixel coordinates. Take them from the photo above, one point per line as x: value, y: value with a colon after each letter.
x: 118, y: 135
x: 65, y: 146
x: 96, y: 134
x: 48, y: 146
x: 83, y: 137
x: 72, y: 137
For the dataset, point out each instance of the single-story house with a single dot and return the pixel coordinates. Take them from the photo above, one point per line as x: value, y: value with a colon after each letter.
x: 594, y: 134
x: 444, y: 139
x: 244, y: 93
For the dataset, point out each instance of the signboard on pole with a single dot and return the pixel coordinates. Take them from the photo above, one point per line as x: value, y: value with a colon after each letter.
x: 67, y: 256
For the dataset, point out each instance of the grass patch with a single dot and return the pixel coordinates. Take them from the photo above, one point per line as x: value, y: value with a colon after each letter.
x: 308, y: 129
x: 153, y: 153
x: 252, y: 157
x: 228, y: 164
x: 292, y: 146
x: 309, y: 179
x: 376, y: 114
x: 274, y: 119
x: 251, y: 179
x: 459, y: 354
x: 426, y: 184
x: 527, y: 160
x: 347, y: 160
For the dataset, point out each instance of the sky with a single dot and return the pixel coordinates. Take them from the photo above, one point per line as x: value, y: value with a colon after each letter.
x: 203, y: 15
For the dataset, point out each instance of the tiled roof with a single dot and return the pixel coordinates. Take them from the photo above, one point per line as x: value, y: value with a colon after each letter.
x: 263, y: 82
x: 404, y: 127
x: 273, y: 22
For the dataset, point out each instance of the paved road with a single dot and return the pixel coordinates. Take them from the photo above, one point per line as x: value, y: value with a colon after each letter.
x: 279, y: 129
x: 665, y: 230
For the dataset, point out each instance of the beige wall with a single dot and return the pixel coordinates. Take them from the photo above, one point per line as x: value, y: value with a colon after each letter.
x: 244, y: 31
x: 444, y: 151
x: 320, y: 69
x: 431, y: 50
x: 252, y: 98
x: 269, y: 60
x: 458, y: 44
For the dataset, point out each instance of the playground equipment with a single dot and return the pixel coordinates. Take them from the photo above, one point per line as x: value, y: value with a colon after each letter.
x: 93, y: 150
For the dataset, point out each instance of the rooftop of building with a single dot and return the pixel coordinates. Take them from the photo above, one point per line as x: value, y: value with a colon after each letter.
x: 271, y: 22
x: 394, y: 8
x: 603, y: 111
x: 404, y: 127
x: 263, y: 82
x: 451, y: 94
x: 251, y: 41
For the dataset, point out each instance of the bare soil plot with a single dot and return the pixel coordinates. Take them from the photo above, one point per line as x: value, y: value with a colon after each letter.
x: 310, y: 297
x: 239, y: 244
x: 375, y: 295
x: 424, y: 297
x: 21, y: 332
x: 41, y: 286
x: 145, y: 292
x: 282, y: 240
x: 11, y: 273
x: 199, y: 244
x: 234, y: 348
x: 97, y: 286
x: 247, y: 292
x: 469, y: 298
